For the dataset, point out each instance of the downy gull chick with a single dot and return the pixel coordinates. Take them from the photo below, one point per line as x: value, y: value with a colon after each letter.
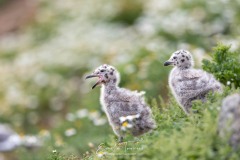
x: 188, y: 84
x: 126, y: 110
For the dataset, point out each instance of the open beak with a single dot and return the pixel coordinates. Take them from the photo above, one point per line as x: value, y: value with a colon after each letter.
x: 167, y: 63
x: 98, y: 82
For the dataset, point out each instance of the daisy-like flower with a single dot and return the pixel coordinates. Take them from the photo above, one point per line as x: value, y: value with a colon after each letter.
x: 70, y: 132
x: 100, y: 154
x: 228, y: 83
x: 122, y: 119
x: 30, y: 141
x: 99, y: 121
x: 82, y: 113
x: 130, y: 118
x: 127, y: 122
x: 126, y: 125
x: 91, y: 145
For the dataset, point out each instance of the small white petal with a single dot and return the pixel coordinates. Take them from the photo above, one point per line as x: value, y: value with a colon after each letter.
x: 99, y: 122
x: 228, y: 83
x: 122, y: 119
x: 70, y: 132
x: 82, y: 113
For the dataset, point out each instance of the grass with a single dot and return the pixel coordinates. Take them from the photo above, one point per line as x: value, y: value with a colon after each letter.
x: 177, y: 136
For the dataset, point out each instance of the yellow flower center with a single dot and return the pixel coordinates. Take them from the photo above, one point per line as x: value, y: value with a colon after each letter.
x: 125, y: 124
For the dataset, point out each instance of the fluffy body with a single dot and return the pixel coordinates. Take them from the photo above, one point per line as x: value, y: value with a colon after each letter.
x: 119, y: 102
x: 229, y: 120
x: 188, y: 84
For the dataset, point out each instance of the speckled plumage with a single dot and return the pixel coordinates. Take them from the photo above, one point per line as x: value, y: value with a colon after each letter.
x: 119, y: 102
x: 229, y: 119
x: 188, y: 84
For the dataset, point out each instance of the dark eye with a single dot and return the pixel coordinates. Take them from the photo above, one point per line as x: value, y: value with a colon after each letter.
x: 174, y: 57
x: 102, y: 70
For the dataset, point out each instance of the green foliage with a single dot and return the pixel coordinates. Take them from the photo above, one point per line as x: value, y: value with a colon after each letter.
x: 142, y: 73
x: 8, y: 55
x: 225, y: 65
x: 129, y: 11
x: 55, y: 156
x: 177, y: 137
x: 42, y: 69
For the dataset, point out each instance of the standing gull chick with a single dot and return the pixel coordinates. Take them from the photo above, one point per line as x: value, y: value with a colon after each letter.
x: 126, y: 110
x: 188, y: 84
x: 229, y: 120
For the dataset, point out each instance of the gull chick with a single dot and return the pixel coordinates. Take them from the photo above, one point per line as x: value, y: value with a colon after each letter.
x: 126, y: 110
x: 229, y: 120
x: 188, y: 84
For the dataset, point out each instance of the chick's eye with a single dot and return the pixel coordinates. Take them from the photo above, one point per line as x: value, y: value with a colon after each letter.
x: 174, y: 57
x: 102, y: 70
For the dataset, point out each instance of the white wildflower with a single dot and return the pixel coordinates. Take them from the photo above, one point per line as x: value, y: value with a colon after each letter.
x: 122, y: 119
x: 99, y: 121
x: 130, y: 118
x: 82, y: 113
x: 126, y: 125
x: 70, y: 132
x: 100, y: 154
x: 228, y: 83
x: 93, y: 115
x: 31, y: 141
x: 126, y: 121
x: 91, y: 145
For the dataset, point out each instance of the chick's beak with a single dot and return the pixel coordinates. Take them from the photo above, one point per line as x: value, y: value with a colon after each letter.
x: 167, y: 63
x: 93, y: 76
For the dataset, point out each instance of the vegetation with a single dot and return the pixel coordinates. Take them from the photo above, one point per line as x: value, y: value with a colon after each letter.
x: 225, y: 65
x: 42, y: 65
x: 177, y: 137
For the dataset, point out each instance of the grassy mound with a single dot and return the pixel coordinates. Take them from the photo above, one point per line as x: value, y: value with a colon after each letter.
x: 177, y: 136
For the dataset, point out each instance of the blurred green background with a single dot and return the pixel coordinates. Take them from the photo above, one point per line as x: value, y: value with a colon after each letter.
x: 47, y: 47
